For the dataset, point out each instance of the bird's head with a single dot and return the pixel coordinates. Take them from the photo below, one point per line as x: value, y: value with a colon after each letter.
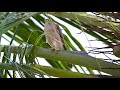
x: 48, y: 22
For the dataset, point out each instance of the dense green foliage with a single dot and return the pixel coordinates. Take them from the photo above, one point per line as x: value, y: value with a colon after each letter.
x: 21, y: 61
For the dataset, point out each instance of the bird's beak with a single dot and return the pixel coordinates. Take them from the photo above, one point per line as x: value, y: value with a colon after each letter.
x: 46, y: 20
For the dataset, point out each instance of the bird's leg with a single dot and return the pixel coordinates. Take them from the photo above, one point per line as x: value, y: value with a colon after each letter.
x: 52, y: 49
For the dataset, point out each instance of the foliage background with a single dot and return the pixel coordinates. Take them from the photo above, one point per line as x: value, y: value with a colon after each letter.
x: 20, y: 61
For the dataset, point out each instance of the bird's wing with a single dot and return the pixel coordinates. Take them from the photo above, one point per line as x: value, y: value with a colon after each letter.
x: 61, y: 36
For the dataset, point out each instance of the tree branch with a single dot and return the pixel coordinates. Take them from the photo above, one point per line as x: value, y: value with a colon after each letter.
x: 48, y: 70
x: 79, y: 59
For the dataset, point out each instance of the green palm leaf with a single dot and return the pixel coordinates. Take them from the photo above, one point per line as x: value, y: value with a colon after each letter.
x: 26, y: 28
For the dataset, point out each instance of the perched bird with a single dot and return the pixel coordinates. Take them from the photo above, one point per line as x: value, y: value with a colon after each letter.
x: 54, y: 36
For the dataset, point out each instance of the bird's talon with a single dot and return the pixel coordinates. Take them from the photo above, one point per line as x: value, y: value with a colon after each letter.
x: 52, y: 49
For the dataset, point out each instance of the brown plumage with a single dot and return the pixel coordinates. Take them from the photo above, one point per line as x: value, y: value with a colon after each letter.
x: 54, y: 36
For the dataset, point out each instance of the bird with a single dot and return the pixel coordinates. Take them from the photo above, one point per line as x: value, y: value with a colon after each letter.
x: 54, y: 36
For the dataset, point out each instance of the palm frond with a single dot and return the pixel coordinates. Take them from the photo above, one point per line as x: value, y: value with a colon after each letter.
x: 26, y: 28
